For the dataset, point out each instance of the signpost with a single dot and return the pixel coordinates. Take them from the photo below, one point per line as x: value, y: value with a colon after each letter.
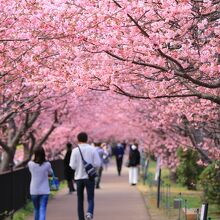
x: 158, y: 180
x: 157, y: 169
x: 158, y: 189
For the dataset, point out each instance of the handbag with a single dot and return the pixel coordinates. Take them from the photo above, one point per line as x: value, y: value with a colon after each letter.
x: 54, y: 183
x: 89, y: 168
x: 127, y: 164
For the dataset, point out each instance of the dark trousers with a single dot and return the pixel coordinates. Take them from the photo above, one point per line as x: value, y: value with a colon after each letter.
x: 90, y: 188
x: 70, y: 185
x: 119, y: 164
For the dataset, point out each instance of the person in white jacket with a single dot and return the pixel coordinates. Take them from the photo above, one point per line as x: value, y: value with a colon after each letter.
x: 91, y: 156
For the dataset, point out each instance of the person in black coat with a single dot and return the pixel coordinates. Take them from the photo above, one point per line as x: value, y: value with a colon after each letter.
x: 133, y: 163
x: 68, y: 171
x: 119, y: 154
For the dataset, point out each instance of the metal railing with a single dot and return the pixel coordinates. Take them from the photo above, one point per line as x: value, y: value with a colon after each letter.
x: 170, y: 201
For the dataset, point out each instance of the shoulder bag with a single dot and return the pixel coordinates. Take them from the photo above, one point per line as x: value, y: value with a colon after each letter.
x: 89, y: 168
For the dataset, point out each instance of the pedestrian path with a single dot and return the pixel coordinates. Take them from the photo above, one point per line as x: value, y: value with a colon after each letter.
x: 115, y: 200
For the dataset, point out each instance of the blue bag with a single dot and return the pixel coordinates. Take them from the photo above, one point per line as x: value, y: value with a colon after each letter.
x: 54, y: 183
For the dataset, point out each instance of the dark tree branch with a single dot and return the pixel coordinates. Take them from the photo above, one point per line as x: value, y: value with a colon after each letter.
x: 193, y: 139
x: 122, y: 92
x: 133, y: 20
x: 211, y: 85
x: 164, y: 69
x: 213, y: 98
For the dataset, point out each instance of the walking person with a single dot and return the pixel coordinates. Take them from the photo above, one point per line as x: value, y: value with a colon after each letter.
x: 68, y: 171
x: 119, y: 153
x: 100, y: 168
x: 133, y: 163
x: 106, y: 155
x: 39, y: 186
x: 91, y: 156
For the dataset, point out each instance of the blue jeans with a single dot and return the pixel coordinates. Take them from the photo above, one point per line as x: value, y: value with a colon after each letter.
x: 90, y: 188
x: 40, y: 206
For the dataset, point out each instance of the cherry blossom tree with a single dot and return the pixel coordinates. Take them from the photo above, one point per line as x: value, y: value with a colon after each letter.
x: 129, y: 69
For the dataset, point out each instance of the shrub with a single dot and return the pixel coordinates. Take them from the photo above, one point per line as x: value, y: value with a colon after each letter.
x: 188, y: 170
x: 210, y: 182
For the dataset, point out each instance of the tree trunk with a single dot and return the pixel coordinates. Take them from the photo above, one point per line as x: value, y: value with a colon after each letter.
x: 26, y: 152
x: 27, y: 155
x: 7, y: 160
x: 173, y: 176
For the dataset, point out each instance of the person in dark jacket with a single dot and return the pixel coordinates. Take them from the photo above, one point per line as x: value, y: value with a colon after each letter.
x: 119, y: 154
x: 134, y: 162
x: 68, y: 171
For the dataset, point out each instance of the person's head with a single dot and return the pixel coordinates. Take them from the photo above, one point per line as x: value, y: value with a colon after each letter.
x: 103, y: 145
x: 69, y: 146
x: 136, y: 144
x: 82, y: 137
x: 97, y: 144
x: 39, y: 155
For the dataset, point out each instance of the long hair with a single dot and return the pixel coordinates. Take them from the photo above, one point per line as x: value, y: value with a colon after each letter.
x: 39, y: 155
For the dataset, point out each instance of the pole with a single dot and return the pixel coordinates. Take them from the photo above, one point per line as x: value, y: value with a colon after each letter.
x: 180, y: 206
x: 185, y: 209
x: 12, y: 191
x: 169, y: 200
x: 158, y: 189
x: 204, y: 211
x: 197, y: 214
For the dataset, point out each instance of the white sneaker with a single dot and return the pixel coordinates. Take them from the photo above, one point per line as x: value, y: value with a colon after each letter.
x: 88, y: 216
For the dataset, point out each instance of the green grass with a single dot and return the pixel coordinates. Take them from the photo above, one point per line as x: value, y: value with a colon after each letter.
x: 193, y: 197
x: 21, y: 214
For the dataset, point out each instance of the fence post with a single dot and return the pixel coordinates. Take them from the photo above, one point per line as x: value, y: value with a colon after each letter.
x: 180, y: 205
x: 12, y: 191
x: 197, y: 214
x: 185, y: 209
x: 169, y: 197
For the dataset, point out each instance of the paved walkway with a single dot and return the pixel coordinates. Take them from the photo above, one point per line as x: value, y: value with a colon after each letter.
x: 116, y: 200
